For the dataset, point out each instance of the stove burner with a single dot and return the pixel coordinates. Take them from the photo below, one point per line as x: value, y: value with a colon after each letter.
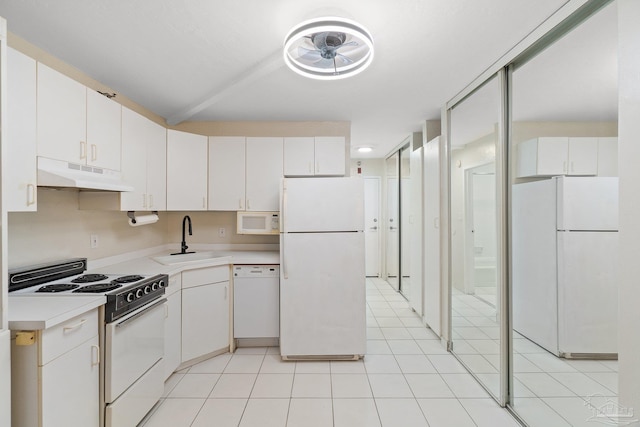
x: 60, y: 287
x: 128, y: 279
x: 98, y: 288
x: 88, y: 278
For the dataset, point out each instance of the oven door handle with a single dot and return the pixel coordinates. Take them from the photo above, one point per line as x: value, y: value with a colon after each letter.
x: 141, y: 313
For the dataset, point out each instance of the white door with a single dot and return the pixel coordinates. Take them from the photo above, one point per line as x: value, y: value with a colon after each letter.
x: 322, y: 204
x: 322, y: 294
x: 372, y: 226
x: 392, y: 245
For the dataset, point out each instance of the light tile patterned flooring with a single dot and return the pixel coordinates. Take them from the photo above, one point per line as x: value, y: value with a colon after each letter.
x: 407, y: 379
x: 549, y: 391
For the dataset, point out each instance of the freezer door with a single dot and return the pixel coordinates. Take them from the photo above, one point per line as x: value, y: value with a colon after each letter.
x: 322, y: 204
x: 322, y: 294
x: 587, y: 203
x: 587, y: 292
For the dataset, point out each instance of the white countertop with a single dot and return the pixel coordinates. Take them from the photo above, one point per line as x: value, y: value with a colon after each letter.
x: 31, y: 312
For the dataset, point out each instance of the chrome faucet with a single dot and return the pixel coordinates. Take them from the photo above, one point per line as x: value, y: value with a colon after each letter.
x: 183, y: 245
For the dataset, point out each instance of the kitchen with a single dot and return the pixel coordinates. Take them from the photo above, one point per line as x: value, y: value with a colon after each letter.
x: 118, y: 222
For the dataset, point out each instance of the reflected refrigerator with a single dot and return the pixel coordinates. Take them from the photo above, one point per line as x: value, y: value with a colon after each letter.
x: 565, y: 246
x: 322, y: 269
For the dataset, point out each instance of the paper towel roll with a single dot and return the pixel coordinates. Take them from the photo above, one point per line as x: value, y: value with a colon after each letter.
x: 143, y: 220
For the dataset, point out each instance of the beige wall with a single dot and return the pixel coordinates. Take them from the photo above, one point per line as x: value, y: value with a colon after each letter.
x: 369, y: 167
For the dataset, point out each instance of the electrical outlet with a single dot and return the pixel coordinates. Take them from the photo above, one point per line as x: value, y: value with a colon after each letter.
x: 222, y: 232
x: 93, y: 241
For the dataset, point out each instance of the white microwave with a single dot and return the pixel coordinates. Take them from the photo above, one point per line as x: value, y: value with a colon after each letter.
x: 258, y: 222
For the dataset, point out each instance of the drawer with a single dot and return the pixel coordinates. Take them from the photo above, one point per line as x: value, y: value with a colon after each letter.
x: 203, y: 276
x: 68, y: 335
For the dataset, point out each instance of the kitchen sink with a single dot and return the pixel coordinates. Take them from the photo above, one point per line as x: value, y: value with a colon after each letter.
x: 184, y: 258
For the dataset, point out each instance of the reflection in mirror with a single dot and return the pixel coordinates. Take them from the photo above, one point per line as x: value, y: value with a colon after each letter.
x: 564, y: 290
x: 475, y: 319
x: 392, y: 235
x: 405, y: 226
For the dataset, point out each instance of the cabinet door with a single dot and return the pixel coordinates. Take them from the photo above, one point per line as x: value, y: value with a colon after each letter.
x: 299, y: 156
x: 70, y: 388
x: 330, y: 156
x: 62, y: 116
x: 583, y: 156
x: 186, y: 171
x: 205, y: 319
x: 552, y: 156
x: 173, y: 334
x: 104, y: 118
x: 20, y: 144
x: 608, y: 156
x: 156, y: 166
x: 264, y: 172
x: 227, y: 173
x: 134, y: 165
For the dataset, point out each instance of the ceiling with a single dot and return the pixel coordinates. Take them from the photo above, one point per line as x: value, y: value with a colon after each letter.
x: 204, y: 60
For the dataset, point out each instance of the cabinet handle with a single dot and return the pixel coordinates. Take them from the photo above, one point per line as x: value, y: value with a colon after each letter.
x: 95, y: 355
x: 31, y: 194
x: 436, y: 222
x: 564, y: 166
x: 166, y: 311
x: 310, y: 167
x: 226, y: 290
x: 150, y: 200
x: 76, y: 326
x: 248, y: 204
x: 318, y: 166
x: 94, y: 152
x: 144, y: 200
x: 83, y: 150
x: 204, y: 203
x: 240, y: 203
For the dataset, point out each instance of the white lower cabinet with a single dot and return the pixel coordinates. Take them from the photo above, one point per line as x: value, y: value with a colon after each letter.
x: 205, y: 311
x: 55, y: 381
x: 173, y: 327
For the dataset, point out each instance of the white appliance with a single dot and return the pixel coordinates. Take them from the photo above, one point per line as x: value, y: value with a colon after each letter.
x: 565, y: 250
x: 249, y: 222
x: 322, y: 271
x: 256, y: 303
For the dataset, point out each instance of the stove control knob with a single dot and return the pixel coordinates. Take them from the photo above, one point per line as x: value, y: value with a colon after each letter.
x: 139, y: 293
x: 147, y: 289
x: 155, y: 286
x: 161, y: 284
x: 130, y: 297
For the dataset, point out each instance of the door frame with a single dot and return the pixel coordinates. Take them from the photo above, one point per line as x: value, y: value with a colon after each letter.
x: 379, y: 216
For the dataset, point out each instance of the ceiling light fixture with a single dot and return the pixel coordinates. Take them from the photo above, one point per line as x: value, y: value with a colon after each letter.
x: 328, y: 48
x: 365, y: 149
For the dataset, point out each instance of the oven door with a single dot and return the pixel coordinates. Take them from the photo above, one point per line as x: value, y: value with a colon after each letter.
x: 133, y: 345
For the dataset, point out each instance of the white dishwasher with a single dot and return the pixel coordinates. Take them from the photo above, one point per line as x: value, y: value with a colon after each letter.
x: 256, y: 304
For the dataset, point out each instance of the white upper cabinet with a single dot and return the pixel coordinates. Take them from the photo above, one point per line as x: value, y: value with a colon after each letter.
x: 608, y: 156
x: 583, y: 156
x: 330, y: 155
x: 264, y: 163
x: 104, y: 118
x: 20, y: 144
x: 186, y: 171
x: 76, y: 124
x: 62, y: 116
x: 227, y: 173
x: 299, y: 156
x: 551, y: 156
x: 144, y: 154
x: 309, y: 156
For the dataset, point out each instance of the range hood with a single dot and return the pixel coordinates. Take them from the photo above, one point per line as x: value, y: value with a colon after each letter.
x: 61, y: 174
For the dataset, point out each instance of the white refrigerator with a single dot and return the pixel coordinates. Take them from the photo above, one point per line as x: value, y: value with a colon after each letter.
x: 322, y: 269
x: 565, y: 250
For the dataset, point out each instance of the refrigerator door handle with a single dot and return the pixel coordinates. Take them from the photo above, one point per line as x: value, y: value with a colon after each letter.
x: 285, y: 273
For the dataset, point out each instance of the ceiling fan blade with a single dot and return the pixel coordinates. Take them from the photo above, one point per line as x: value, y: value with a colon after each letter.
x: 351, y: 43
x: 308, y: 54
x: 344, y: 58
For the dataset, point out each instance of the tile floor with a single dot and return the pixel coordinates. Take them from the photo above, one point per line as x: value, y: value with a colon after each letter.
x: 406, y: 379
x: 549, y: 391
